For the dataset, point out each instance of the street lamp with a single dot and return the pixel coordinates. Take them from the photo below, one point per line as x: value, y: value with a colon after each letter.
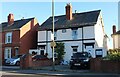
x: 53, y: 59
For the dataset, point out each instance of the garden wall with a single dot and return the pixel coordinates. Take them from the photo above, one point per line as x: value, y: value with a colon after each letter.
x: 27, y: 62
x: 99, y: 65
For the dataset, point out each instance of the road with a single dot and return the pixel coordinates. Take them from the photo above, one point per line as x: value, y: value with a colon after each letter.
x: 16, y: 72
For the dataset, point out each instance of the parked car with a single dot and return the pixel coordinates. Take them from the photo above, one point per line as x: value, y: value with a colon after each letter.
x: 80, y: 59
x: 13, y: 61
x: 39, y: 57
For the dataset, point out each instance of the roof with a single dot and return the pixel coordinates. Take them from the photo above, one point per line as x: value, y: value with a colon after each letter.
x: 118, y: 32
x: 16, y: 25
x: 79, y: 20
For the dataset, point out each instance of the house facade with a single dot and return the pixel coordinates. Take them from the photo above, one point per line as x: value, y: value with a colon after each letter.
x: 116, y: 38
x: 18, y: 36
x: 78, y: 31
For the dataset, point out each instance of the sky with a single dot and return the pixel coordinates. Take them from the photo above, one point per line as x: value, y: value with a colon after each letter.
x: 43, y: 10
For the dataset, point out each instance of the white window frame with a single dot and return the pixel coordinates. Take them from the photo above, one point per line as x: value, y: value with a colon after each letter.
x: 74, y: 34
x: 7, y: 52
x: 8, y: 37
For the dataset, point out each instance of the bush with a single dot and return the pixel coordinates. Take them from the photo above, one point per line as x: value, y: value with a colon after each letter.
x: 60, y: 51
x: 114, y: 55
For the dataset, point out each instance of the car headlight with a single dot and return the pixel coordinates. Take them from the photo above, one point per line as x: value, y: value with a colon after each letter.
x: 86, y: 60
x: 71, y: 60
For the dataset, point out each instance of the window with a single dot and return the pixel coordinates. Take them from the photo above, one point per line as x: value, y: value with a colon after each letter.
x: 8, y: 37
x: 74, y: 34
x: 74, y: 48
x: 63, y: 30
x: 7, y: 53
x: 16, y: 51
x: 55, y: 35
x: 99, y: 52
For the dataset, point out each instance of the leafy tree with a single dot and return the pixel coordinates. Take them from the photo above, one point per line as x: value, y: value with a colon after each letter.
x: 60, y: 51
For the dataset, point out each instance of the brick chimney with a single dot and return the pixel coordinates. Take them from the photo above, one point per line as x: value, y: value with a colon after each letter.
x: 69, y: 11
x: 114, y: 29
x: 10, y: 19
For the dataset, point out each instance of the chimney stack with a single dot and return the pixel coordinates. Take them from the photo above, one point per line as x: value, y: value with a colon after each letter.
x: 114, y: 29
x: 68, y: 11
x: 10, y: 19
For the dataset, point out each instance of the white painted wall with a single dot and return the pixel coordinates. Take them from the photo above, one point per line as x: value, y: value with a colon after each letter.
x: 99, y: 33
x: 116, y: 42
x: 87, y: 31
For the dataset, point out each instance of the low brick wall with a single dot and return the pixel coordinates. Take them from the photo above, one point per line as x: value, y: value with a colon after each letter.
x: 95, y: 64
x: 27, y: 62
x: 99, y: 65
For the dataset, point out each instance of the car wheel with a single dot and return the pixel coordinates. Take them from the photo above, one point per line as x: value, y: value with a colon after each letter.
x: 17, y: 63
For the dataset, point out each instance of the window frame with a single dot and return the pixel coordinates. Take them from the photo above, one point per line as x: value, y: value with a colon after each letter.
x: 8, y: 37
x: 74, y: 34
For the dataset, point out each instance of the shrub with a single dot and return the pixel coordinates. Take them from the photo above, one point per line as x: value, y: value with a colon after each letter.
x: 114, y: 55
x: 60, y: 51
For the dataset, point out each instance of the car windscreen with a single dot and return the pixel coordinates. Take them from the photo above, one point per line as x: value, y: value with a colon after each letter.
x: 15, y: 57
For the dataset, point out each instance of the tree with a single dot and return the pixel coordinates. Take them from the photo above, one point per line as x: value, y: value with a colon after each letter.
x: 60, y: 51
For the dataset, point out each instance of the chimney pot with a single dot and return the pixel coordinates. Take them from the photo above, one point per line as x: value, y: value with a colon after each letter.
x: 10, y: 19
x: 114, y: 29
x: 69, y: 11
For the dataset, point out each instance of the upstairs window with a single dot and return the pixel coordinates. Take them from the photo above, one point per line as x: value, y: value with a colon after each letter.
x: 74, y: 34
x: 8, y: 37
x: 55, y: 35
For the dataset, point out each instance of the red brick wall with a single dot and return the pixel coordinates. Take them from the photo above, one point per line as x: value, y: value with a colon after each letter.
x: 15, y: 42
x: 29, y: 40
x: 27, y: 62
x: 99, y: 65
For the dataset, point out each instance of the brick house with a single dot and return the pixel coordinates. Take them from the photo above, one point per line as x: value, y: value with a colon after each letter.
x: 18, y: 36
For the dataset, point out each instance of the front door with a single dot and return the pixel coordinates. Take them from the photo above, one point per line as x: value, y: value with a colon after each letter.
x: 16, y: 51
x: 7, y: 53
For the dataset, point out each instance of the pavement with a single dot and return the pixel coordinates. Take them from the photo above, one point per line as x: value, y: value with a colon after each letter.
x: 60, y: 70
